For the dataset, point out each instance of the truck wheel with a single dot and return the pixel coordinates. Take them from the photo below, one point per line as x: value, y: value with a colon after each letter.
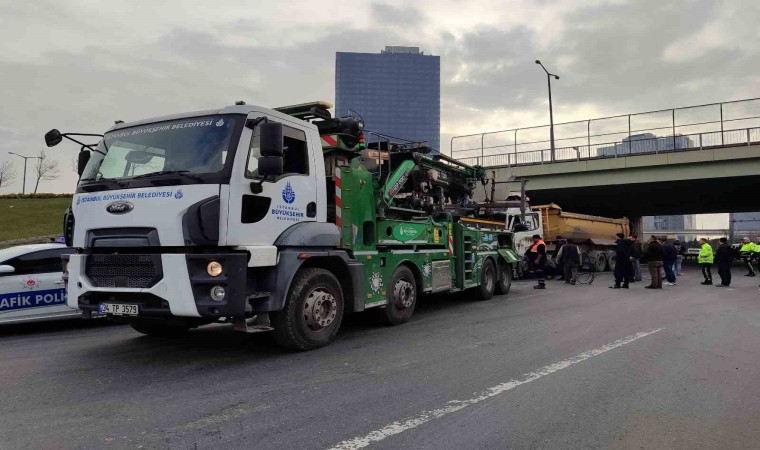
x: 487, y: 280
x: 505, y: 279
x: 312, y: 313
x: 160, y: 329
x: 402, y: 297
x: 611, y: 263
x: 600, y: 261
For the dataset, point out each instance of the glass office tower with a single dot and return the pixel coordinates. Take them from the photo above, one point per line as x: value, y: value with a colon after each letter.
x: 396, y: 91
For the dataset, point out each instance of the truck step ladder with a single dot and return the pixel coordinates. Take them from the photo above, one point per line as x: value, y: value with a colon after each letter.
x: 256, y: 324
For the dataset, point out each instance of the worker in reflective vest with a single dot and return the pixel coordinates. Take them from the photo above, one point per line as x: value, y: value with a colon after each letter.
x: 705, y: 260
x: 746, y: 251
x: 537, y: 261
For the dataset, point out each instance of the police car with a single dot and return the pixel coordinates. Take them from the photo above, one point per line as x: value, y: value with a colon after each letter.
x: 31, y: 283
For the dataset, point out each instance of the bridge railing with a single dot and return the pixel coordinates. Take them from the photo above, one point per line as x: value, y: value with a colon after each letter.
x: 715, y: 125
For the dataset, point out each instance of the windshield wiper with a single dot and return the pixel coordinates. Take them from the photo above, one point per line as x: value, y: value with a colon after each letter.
x: 184, y: 173
x: 92, y: 181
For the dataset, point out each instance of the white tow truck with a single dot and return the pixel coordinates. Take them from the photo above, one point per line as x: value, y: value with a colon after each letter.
x: 272, y: 220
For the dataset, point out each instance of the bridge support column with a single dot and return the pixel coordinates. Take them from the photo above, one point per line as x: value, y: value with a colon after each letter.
x: 637, y: 227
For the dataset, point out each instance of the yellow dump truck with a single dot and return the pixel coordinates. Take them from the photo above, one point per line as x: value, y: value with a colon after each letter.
x: 594, y: 235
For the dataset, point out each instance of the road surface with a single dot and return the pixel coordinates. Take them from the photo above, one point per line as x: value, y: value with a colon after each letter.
x: 569, y: 367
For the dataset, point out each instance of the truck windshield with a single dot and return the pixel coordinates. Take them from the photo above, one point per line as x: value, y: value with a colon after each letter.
x: 192, y: 147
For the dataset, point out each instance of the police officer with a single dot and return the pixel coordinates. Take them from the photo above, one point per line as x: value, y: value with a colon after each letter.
x: 746, y: 251
x: 705, y: 260
x: 537, y: 260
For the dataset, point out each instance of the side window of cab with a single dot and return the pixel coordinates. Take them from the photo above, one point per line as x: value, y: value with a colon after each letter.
x: 296, y: 155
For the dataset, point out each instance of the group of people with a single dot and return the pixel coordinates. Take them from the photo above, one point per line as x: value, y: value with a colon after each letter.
x: 664, y: 260
x: 567, y: 260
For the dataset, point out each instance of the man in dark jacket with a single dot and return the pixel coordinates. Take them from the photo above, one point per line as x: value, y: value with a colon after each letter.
x: 669, y: 254
x: 569, y: 258
x: 623, y: 258
x: 654, y: 262
x: 637, y: 254
x: 724, y: 256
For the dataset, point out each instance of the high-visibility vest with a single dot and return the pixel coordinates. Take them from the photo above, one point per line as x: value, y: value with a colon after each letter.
x: 534, y: 249
x: 705, y: 254
x: 749, y: 247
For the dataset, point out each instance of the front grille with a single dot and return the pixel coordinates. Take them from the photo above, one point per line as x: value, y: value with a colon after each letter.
x: 125, y: 271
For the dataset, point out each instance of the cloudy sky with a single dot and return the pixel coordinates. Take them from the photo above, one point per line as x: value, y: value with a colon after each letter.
x: 80, y: 65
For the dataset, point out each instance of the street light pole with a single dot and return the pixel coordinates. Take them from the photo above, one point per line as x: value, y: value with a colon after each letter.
x: 23, y: 186
x: 551, y: 112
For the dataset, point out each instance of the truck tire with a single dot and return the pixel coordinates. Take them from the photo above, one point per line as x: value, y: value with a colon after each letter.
x: 505, y: 279
x: 313, y: 311
x: 402, y: 297
x: 487, y: 280
x: 160, y: 329
x: 600, y: 261
x: 612, y: 262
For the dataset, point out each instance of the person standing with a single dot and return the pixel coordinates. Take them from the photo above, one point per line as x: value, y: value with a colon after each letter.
x: 669, y: 254
x: 623, y: 258
x: 654, y: 262
x: 553, y: 259
x: 680, y: 253
x: 746, y: 251
x: 637, y: 254
x: 705, y: 260
x: 756, y: 251
x: 537, y: 261
x: 569, y: 258
x: 724, y: 256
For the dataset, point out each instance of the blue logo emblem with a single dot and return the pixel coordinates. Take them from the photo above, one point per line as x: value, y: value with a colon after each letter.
x: 178, y: 195
x: 288, y: 194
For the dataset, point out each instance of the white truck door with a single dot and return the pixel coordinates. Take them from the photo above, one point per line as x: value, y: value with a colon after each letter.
x: 257, y: 219
x: 35, y: 289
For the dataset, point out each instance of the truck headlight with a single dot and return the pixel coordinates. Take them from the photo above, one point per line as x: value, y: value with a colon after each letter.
x: 217, y: 293
x: 214, y: 268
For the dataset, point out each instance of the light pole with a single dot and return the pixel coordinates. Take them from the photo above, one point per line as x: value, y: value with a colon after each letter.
x: 551, y: 113
x: 23, y: 187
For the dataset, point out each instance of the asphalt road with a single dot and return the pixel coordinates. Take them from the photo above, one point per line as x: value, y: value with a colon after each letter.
x: 569, y: 367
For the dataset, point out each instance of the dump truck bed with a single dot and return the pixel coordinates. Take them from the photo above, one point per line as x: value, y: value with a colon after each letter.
x: 580, y: 227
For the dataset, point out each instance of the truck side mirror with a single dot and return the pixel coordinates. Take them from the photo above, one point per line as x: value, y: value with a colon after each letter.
x: 270, y: 166
x: 270, y: 139
x: 53, y: 138
x: 82, y: 159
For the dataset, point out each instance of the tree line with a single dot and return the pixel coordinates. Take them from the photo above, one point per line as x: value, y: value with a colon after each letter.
x: 43, y: 169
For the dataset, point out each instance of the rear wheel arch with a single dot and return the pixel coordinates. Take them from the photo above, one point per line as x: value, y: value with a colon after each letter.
x: 416, y: 271
x: 337, y: 267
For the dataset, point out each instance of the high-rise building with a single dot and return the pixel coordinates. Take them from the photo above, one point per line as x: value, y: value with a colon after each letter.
x: 745, y: 225
x: 397, y: 92
x: 666, y: 224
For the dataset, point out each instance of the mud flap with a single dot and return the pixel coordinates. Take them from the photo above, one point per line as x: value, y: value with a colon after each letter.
x: 508, y: 255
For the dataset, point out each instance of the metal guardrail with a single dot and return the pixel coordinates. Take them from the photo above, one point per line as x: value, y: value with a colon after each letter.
x: 700, y: 127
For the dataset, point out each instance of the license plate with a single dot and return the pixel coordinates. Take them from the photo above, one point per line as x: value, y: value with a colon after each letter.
x: 117, y: 309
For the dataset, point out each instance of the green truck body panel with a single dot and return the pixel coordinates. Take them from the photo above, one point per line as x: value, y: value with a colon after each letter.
x: 421, y: 243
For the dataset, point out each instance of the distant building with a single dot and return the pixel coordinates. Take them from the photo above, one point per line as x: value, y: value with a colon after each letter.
x: 665, y: 224
x: 646, y: 143
x: 745, y: 225
x: 397, y: 92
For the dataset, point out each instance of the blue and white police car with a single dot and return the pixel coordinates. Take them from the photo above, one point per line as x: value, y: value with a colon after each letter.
x: 31, y: 283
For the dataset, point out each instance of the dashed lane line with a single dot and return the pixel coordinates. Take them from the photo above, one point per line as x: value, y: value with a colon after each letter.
x: 456, y: 405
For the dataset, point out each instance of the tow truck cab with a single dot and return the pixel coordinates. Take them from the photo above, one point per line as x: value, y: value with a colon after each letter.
x: 199, y: 217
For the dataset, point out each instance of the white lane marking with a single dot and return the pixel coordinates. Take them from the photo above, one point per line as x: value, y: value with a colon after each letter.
x: 455, y: 405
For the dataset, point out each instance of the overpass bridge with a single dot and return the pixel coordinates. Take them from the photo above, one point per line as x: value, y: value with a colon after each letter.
x: 700, y: 159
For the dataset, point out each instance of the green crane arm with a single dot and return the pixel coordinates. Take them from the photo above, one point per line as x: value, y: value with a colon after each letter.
x: 396, y: 180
